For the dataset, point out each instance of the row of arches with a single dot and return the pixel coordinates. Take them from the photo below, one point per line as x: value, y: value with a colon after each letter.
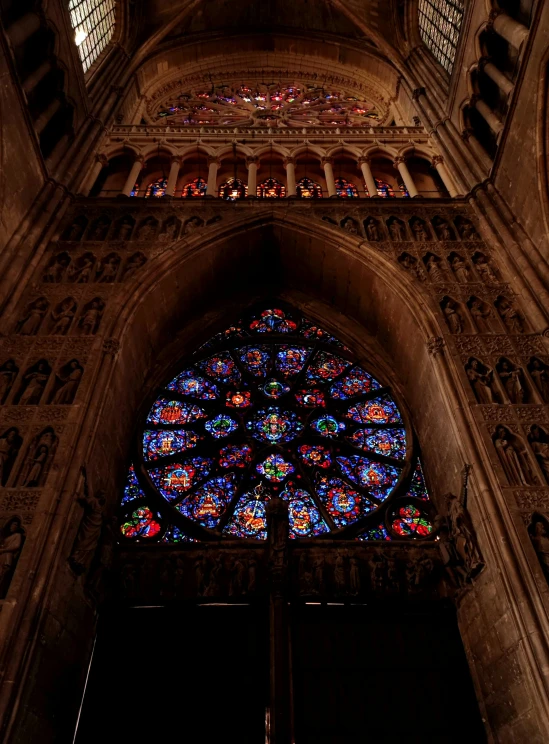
x: 306, y: 173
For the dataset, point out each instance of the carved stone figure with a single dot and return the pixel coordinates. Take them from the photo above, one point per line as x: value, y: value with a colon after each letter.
x: 485, y: 271
x: 236, y: 577
x: 13, y: 539
x: 419, y: 230
x: 277, y: 535
x: 444, y: 231
x: 350, y: 226
x: 169, y: 230
x: 82, y: 270
x: 418, y: 568
x: 199, y: 574
x: 36, y: 467
x: 67, y: 382
x: 91, y: 317
x: 147, y: 229
x: 124, y: 229
x: 252, y: 575
x: 340, y: 579
x: 354, y: 576
x: 466, y: 229
x: 481, y: 379
x: 378, y: 566
x: 108, y: 269
x: 89, y: 531
x: 511, y: 378
x: 10, y: 443
x: 462, y: 533
x: 30, y: 323
x: 372, y: 230
x: 434, y: 269
x: 482, y: 314
x: 411, y: 264
x: 33, y: 383
x: 134, y: 263
x: 76, y: 230
x: 179, y: 577
x: 318, y: 575
x: 192, y: 224
x: 392, y: 574
x: 305, y: 576
x: 8, y: 373
x: 62, y: 317
x: 38, y: 458
x: 453, y: 316
x: 539, y: 442
x: 213, y: 589
x: 513, y: 459
x: 539, y: 374
x: 460, y: 269
x: 451, y: 560
x: 98, y: 230
x: 56, y: 269
x: 540, y: 540
x: 101, y: 564
x: 397, y: 230
x: 510, y: 316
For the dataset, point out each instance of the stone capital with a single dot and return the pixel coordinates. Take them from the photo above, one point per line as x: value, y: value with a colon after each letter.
x: 103, y: 159
x: 437, y: 160
x: 252, y: 160
x: 435, y: 345
x: 466, y: 133
x: 327, y: 161
x: 364, y: 159
x: 492, y: 17
x: 398, y: 160
x: 417, y: 92
x: 213, y: 159
x: 288, y: 161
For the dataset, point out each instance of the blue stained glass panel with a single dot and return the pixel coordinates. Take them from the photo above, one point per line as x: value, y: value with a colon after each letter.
x: 375, y: 533
x: 256, y: 359
x: 275, y: 468
x: 273, y: 321
x: 311, y: 398
x: 221, y: 368
x: 175, y: 480
x: 165, y: 411
x: 163, y: 443
x: 249, y: 519
x: 305, y: 518
x: 141, y: 523
x: 209, y: 502
x: 221, y: 426
x: 191, y: 384
x: 387, y: 442
x: 379, y: 479
x: 357, y: 382
x: 174, y: 535
x: 378, y: 411
x: 418, y: 488
x: 274, y: 425
x: 314, y: 332
x: 132, y: 489
x: 327, y: 426
x: 315, y: 455
x: 344, y: 504
x: 326, y: 366
x: 275, y: 389
x: 290, y: 360
x: 235, y: 456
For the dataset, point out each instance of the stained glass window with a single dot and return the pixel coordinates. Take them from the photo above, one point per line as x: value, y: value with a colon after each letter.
x: 345, y: 189
x: 93, y: 24
x: 307, y: 189
x: 384, y: 189
x: 439, y: 26
x: 233, y: 189
x: 156, y: 188
x: 275, y: 405
x: 194, y: 189
x: 271, y: 188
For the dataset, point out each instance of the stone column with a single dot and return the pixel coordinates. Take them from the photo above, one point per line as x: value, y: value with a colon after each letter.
x: 402, y: 168
x: 291, y: 189
x: 368, y: 176
x: 468, y: 135
x: 252, y: 177
x: 101, y: 161
x: 438, y: 163
x: 327, y: 164
x: 487, y: 114
x: 132, y: 178
x: 172, y: 176
x: 280, y: 703
x: 506, y: 27
x: 503, y: 83
x: 211, y: 188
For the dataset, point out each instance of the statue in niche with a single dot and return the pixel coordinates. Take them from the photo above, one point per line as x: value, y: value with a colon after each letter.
x: 397, y: 231
x: 466, y: 229
x: 350, y: 225
x: 511, y: 378
x: 91, y: 317
x: 252, y: 575
x: 30, y: 323
x: 39, y: 456
x: 213, y: 587
x: 419, y: 230
x: 56, y: 269
x: 392, y: 574
x: 372, y: 229
x: 444, y: 231
x: 305, y: 576
x: 236, y: 577
x: 482, y: 315
x: 411, y: 264
x: 199, y: 574
x: 75, y: 231
x: 102, y: 561
x: 8, y: 373
x: 82, y: 270
x: 378, y: 566
x: 451, y: 560
x: 418, y: 568
x: 108, y: 269
x: 13, y: 539
x: 147, y: 229
x: 434, y: 269
x: 485, y: 271
x: 460, y: 269
x: 452, y: 314
x: 540, y: 375
x: 66, y: 383
x: 318, y: 575
x: 540, y: 541
x: 134, y: 263
x: 340, y: 579
x: 62, y: 316
x: 33, y: 384
x: 481, y: 379
x: 539, y: 442
x: 170, y: 230
x: 99, y: 229
x: 511, y: 318
x: 10, y: 443
x: 89, y: 531
x: 192, y: 224
x: 354, y: 576
x: 514, y: 459
x: 123, y: 229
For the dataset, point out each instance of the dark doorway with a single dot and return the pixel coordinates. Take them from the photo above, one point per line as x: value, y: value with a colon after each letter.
x: 381, y: 674
x: 192, y: 673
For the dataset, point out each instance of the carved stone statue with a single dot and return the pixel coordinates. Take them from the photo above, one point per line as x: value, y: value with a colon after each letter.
x: 213, y: 588
x: 514, y: 460
x: 451, y: 560
x: 108, y: 269
x: 318, y: 575
x: 13, y: 539
x: 8, y: 373
x: 99, y: 229
x: 102, y: 562
x: 540, y: 540
x: 89, y: 531
x: 192, y: 224
x: 396, y: 230
x: 350, y: 226
x: 33, y: 383
x: 463, y: 534
x: 482, y: 314
x: 124, y: 229
x: 56, y: 269
x: 453, y: 316
x: 10, y: 443
x: 411, y: 264
x: 372, y: 230
x: 481, y: 380
x: 434, y: 269
x: 147, y: 229
x: 81, y: 272
x: 134, y: 263
x: 485, y: 271
x: 419, y: 231
x: 511, y: 378
x: 30, y: 323
x: 252, y: 575
x: 236, y: 577
x: 467, y: 230
x: 444, y: 230
x: 340, y: 580
x: 67, y: 382
x: 91, y: 317
x: 378, y: 566
x: 354, y: 576
x: 199, y: 574
x: 461, y: 270
x: 76, y: 230
x: 305, y: 576
x: 539, y: 374
x: 169, y: 231
x: 62, y: 317
x: 511, y: 318
x: 539, y: 442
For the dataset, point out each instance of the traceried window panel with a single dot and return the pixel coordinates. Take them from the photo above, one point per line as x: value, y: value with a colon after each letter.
x: 93, y: 24
x: 439, y: 26
x: 275, y: 406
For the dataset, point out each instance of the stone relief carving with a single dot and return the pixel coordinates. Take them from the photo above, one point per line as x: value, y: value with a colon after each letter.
x: 76, y: 230
x: 512, y: 379
x: 123, y: 228
x: 443, y: 229
x: 147, y: 229
x: 513, y: 457
x: 411, y: 264
x: 55, y: 270
x: 10, y: 443
x: 32, y: 318
x: 33, y: 384
x: 82, y: 270
x: 397, y: 229
x: 107, y: 270
x: 453, y: 315
x: 483, y: 316
x: 13, y: 538
x: 484, y: 269
x: 539, y: 535
x: 419, y: 230
x: 61, y: 317
x: 511, y: 317
x: 192, y: 224
x: 36, y: 465
x: 133, y: 264
x: 372, y: 229
x: 350, y: 225
x: 89, y: 530
x: 99, y: 228
x: 90, y: 318
x: 465, y: 228
x: 434, y: 268
x: 460, y: 268
x: 539, y: 442
x: 170, y: 230
x: 481, y: 379
x: 66, y: 383
x: 540, y: 375
x: 8, y: 374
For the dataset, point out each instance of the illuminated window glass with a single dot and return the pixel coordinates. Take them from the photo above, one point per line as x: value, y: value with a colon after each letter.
x: 93, y: 24
x: 439, y: 25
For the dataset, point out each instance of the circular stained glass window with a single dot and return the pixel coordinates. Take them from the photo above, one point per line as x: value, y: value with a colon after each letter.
x: 275, y: 406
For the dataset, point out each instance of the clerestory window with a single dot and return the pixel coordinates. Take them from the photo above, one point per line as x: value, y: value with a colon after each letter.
x: 439, y: 27
x: 93, y: 24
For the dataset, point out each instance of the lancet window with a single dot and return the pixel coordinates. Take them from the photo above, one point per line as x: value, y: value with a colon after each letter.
x: 233, y: 189
x: 156, y: 188
x: 308, y: 189
x: 439, y: 27
x: 346, y: 189
x: 271, y: 188
x: 93, y: 24
x: 275, y: 405
x: 194, y: 189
